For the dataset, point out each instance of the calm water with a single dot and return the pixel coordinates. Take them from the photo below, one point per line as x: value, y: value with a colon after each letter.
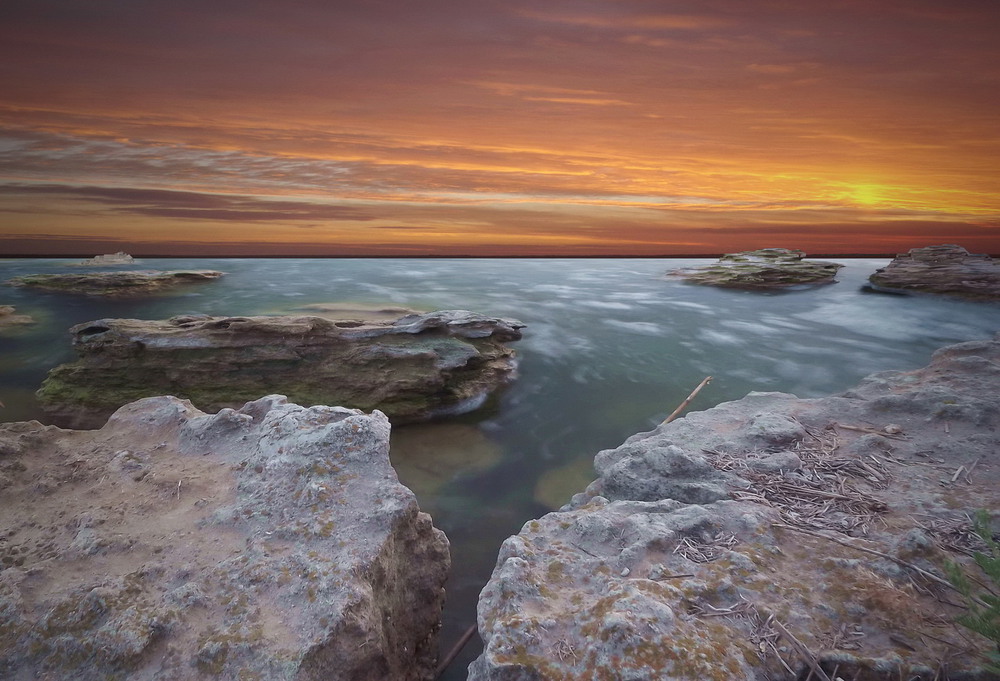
x: 610, y: 348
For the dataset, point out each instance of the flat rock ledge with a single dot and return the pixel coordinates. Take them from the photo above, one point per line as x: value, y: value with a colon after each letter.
x: 273, y: 542
x: 414, y: 368
x: 762, y: 536
x: 946, y: 269
x: 765, y: 268
x: 115, y: 284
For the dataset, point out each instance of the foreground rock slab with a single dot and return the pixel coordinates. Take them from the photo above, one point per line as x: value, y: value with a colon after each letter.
x: 946, y: 269
x: 414, y: 368
x: 271, y: 542
x: 115, y: 284
x: 766, y: 535
x: 765, y: 268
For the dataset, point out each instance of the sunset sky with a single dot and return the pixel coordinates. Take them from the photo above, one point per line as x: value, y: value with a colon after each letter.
x: 479, y: 127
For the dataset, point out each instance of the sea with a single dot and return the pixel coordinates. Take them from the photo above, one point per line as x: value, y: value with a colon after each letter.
x: 610, y: 348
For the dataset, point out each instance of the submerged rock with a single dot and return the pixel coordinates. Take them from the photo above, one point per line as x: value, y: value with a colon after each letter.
x: 414, y: 368
x: 272, y: 542
x: 10, y: 320
x: 118, y: 258
x: 946, y: 269
x: 706, y: 545
x: 765, y: 268
x: 115, y: 284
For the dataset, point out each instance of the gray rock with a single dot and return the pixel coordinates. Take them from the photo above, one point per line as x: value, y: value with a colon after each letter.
x: 415, y: 368
x: 270, y: 542
x: 946, y: 269
x: 641, y: 578
x: 765, y: 268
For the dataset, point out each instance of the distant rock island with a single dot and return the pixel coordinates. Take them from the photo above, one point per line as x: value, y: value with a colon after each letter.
x: 765, y: 268
x: 273, y: 542
x: 119, y: 258
x: 413, y: 368
x: 945, y: 269
x: 115, y: 284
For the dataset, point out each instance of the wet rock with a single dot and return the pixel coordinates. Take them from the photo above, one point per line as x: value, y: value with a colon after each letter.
x: 765, y: 268
x: 414, y: 368
x: 644, y: 576
x: 115, y: 284
x: 118, y: 258
x: 269, y: 542
x: 945, y: 269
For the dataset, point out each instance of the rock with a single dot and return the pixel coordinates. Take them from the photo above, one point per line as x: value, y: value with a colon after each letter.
x: 9, y: 320
x: 271, y: 542
x: 118, y: 258
x: 946, y: 269
x: 765, y: 268
x: 115, y: 284
x: 415, y: 368
x: 703, y: 541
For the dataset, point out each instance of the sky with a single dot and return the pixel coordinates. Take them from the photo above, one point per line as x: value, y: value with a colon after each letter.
x: 480, y: 127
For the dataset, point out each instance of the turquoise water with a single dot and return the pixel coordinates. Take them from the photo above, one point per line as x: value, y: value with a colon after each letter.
x: 610, y: 348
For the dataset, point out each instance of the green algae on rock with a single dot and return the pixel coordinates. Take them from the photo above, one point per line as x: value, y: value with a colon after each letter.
x: 115, y: 284
x: 945, y: 269
x: 412, y: 369
x: 765, y: 268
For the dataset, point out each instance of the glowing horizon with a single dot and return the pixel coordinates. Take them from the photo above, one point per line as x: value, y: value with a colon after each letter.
x: 498, y: 128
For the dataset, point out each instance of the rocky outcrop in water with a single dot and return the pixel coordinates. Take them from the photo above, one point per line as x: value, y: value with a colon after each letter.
x: 9, y: 320
x: 115, y: 284
x: 118, y: 258
x: 946, y: 269
x: 414, y: 368
x: 766, y: 535
x: 272, y: 542
x: 765, y: 268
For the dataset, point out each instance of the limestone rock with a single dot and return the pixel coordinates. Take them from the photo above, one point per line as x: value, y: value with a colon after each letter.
x: 946, y: 269
x: 271, y: 542
x: 118, y: 258
x: 704, y: 541
x: 414, y: 368
x: 10, y: 320
x: 765, y: 268
x: 115, y: 284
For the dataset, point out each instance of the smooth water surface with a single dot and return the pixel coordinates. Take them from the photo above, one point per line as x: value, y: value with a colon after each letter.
x: 610, y: 348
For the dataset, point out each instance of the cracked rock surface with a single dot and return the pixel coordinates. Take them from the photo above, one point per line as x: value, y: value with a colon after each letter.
x: 762, y: 536
x: 270, y: 542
